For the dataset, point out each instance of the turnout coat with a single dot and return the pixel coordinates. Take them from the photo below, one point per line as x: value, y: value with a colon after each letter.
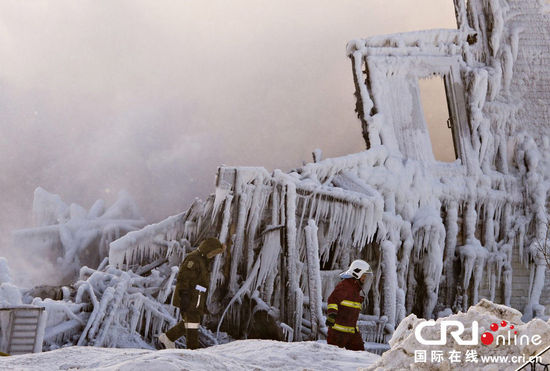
x: 193, y: 278
x: 346, y: 302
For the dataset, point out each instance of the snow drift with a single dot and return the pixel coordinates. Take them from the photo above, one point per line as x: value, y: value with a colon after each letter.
x: 404, y: 343
x: 238, y: 355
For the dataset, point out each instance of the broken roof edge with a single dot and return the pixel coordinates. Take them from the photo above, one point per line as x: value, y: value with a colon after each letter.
x: 415, y: 39
x: 144, y: 236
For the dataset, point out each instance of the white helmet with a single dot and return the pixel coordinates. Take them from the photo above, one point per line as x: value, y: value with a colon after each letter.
x: 357, y: 268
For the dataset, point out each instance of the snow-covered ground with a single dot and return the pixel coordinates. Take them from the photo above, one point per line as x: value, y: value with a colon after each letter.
x: 237, y: 355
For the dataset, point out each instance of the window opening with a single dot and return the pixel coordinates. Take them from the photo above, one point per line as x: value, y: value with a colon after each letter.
x: 438, y: 120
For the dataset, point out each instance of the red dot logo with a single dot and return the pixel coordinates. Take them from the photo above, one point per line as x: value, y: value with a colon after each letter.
x: 487, y: 338
x: 503, y: 323
x: 512, y: 327
x: 494, y: 327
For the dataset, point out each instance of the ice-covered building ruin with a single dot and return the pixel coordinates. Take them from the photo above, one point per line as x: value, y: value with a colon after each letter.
x: 439, y: 235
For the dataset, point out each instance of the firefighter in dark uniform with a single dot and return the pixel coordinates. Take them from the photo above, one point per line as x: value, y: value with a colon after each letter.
x: 191, y: 292
x: 344, y: 305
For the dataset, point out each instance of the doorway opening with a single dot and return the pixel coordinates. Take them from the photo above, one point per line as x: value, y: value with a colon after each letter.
x: 438, y: 120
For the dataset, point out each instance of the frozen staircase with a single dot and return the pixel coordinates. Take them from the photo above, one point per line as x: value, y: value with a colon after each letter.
x: 24, y: 329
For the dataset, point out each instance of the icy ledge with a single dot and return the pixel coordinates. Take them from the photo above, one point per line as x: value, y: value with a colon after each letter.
x: 404, y: 343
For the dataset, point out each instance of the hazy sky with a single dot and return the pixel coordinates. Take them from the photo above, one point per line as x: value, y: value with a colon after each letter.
x: 152, y: 96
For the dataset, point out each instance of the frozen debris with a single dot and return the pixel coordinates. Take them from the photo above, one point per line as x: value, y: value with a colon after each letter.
x: 317, y: 155
x: 511, y: 337
x: 110, y: 308
x: 10, y: 295
x: 48, y: 208
x: 4, y: 271
x: 68, y: 237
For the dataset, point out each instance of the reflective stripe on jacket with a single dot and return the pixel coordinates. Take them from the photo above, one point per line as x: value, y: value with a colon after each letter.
x: 346, y: 301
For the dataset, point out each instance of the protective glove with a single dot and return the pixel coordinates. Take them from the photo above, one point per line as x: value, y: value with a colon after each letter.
x: 331, y: 319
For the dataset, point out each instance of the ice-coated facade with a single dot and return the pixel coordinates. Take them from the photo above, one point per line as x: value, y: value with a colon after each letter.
x: 491, y: 204
x: 493, y: 200
x: 439, y: 236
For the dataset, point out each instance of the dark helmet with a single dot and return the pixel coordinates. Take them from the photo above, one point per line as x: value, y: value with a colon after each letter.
x: 211, y: 247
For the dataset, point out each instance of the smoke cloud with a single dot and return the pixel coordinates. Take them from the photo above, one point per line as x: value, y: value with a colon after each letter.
x: 152, y: 96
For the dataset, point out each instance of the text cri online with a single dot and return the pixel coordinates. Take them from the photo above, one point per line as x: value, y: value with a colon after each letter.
x: 508, y: 334
x: 470, y: 356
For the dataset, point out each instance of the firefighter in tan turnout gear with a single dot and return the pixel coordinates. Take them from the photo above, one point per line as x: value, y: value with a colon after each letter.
x: 191, y: 292
x: 344, y: 305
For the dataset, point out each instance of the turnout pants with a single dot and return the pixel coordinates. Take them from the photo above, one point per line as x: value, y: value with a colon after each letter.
x: 350, y: 341
x: 189, y: 326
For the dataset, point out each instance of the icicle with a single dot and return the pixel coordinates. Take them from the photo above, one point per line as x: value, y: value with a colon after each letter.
x: 489, y: 229
x: 288, y: 332
x: 223, y: 192
x: 258, y: 202
x: 314, y: 278
x: 497, y: 29
x: 404, y: 252
x: 376, y: 285
x: 119, y: 294
x: 267, y: 258
x: 298, y: 315
x: 125, y: 248
x: 238, y: 243
x: 272, y: 269
x: 389, y: 275
x: 451, y: 226
x: 536, y: 285
x: 478, y: 276
x: 521, y: 234
x: 217, y: 274
x: 163, y: 294
x: 291, y: 252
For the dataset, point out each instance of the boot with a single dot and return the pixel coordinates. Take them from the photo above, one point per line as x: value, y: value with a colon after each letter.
x: 167, y: 343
